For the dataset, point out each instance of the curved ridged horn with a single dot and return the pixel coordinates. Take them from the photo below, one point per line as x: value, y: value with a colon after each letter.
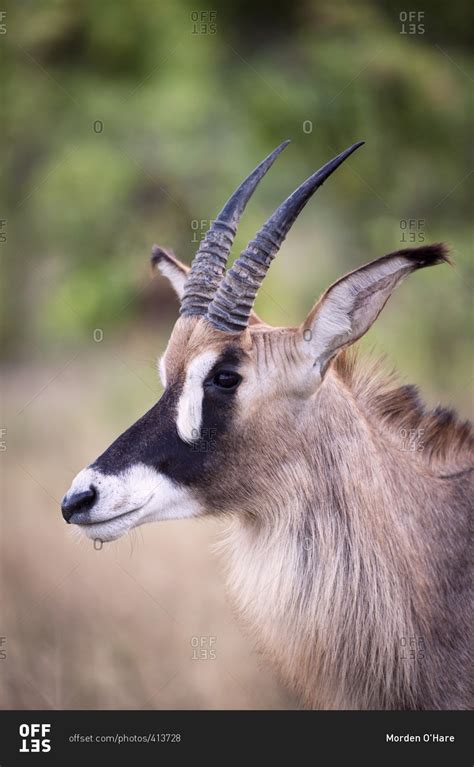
x: 231, y: 306
x: 209, y: 263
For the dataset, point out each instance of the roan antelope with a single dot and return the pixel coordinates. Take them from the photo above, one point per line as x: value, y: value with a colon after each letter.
x: 345, y: 551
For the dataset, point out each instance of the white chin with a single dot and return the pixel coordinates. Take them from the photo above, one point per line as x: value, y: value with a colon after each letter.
x: 111, y: 529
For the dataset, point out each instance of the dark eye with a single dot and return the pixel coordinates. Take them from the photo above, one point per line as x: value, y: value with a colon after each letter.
x: 226, y: 379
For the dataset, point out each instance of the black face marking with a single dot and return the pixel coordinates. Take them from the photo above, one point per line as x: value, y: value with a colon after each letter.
x: 230, y: 357
x: 154, y: 440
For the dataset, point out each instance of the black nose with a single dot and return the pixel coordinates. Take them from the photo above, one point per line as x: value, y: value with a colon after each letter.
x: 78, y: 502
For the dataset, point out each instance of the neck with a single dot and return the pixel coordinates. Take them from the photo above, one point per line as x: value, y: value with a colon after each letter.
x: 324, y: 576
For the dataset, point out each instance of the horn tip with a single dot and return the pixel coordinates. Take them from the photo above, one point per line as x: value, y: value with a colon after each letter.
x: 355, y: 146
x: 277, y: 151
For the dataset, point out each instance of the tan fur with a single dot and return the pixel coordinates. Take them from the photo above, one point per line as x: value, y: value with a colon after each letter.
x: 447, y: 441
x: 348, y: 545
x: 350, y: 506
x: 337, y: 562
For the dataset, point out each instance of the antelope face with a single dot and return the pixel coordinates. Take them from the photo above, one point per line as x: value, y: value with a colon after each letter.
x: 191, y: 453
x: 236, y: 391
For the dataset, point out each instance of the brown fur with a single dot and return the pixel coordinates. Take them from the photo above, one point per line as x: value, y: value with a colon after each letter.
x: 448, y: 442
x: 346, y: 547
x: 348, y: 552
x: 354, y: 554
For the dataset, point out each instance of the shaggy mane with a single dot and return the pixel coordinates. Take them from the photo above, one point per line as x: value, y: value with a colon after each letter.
x: 445, y: 442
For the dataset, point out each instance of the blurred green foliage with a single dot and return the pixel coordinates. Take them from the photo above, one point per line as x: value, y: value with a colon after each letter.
x: 130, y: 123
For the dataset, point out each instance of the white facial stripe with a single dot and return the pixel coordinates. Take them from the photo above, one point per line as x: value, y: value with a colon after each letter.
x: 137, y: 495
x: 189, y: 417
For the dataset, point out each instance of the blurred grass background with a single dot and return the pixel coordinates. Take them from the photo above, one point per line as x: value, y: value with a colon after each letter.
x: 130, y: 123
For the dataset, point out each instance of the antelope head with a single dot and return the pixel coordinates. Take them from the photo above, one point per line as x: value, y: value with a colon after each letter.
x: 238, y: 393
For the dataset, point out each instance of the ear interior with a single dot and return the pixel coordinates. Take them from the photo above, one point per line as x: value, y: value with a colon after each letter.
x: 175, y: 271
x: 349, y: 307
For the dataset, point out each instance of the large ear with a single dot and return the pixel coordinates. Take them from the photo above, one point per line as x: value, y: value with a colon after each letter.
x: 349, y: 307
x: 170, y: 268
x: 176, y: 272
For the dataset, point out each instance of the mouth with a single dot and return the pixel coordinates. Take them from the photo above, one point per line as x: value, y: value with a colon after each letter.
x: 110, y: 519
x: 113, y: 527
